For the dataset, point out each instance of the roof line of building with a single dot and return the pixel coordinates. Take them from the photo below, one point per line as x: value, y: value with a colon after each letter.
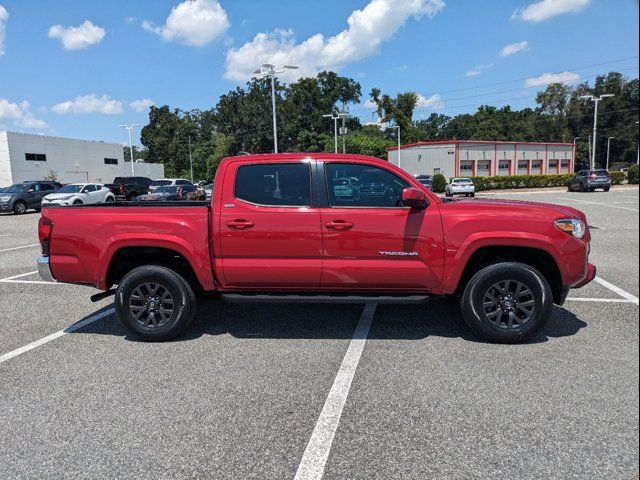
x: 60, y: 138
x: 476, y: 142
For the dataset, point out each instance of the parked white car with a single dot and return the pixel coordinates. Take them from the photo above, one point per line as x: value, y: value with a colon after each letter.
x: 461, y: 186
x: 78, y: 194
x: 168, y: 182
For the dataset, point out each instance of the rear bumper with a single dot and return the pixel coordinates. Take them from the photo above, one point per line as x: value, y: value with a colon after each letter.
x: 44, y: 269
x: 591, y: 274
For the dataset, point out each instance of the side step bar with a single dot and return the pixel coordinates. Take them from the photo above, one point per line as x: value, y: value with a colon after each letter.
x: 280, y: 298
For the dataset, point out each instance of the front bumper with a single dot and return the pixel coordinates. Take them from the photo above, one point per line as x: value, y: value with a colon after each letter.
x: 44, y: 269
x: 591, y: 274
x: 6, y: 207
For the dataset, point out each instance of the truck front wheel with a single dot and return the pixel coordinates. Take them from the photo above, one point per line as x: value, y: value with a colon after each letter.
x: 507, y: 302
x: 155, y: 303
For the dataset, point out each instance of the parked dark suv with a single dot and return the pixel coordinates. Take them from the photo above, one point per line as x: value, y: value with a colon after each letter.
x: 20, y: 197
x: 589, y: 180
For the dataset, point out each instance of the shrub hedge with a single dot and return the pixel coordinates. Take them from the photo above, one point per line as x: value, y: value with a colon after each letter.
x: 521, y: 181
x: 633, y: 174
x: 618, y: 177
x: 439, y: 183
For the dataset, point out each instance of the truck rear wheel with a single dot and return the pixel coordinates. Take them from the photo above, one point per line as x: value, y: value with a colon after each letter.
x: 155, y: 303
x: 507, y: 302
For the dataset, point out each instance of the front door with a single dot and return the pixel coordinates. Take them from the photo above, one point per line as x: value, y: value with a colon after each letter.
x: 371, y: 241
x: 270, y: 235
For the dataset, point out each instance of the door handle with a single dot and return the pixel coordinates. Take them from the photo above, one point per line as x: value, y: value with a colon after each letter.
x: 240, y: 224
x: 339, y: 225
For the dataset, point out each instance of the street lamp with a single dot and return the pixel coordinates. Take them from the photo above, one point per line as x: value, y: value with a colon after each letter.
x: 335, y: 117
x: 269, y: 71
x: 595, y: 100
x: 129, y: 128
x: 609, y: 150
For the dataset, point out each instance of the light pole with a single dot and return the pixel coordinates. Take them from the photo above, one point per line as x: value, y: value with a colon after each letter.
x: 190, y: 160
x: 129, y: 128
x: 595, y: 100
x: 398, y: 128
x: 609, y: 150
x: 269, y: 71
x: 638, y: 155
x: 335, y: 117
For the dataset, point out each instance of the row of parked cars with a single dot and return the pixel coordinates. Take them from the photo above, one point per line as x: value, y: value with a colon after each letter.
x: 35, y: 195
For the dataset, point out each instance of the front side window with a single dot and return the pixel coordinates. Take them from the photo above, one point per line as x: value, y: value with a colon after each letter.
x: 351, y: 185
x: 274, y: 184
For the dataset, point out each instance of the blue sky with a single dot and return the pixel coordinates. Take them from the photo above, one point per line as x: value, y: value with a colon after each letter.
x: 75, y: 68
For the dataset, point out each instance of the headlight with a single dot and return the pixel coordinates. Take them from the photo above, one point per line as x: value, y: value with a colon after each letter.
x: 571, y: 226
x: 5, y: 199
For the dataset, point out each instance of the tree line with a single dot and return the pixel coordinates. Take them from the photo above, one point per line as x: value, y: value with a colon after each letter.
x: 242, y: 122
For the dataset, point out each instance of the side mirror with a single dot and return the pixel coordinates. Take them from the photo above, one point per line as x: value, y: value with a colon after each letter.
x: 414, y: 198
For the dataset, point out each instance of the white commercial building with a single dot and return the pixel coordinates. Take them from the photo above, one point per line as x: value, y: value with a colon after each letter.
x: 475, y: 158
x: 34, y: 157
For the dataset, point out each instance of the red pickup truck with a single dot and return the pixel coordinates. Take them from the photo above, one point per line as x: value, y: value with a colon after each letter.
x: 321, y: 228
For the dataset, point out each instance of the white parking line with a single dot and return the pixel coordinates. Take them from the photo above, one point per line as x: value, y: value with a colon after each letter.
x: 315, y: 455
x: 5, y: 235
x: 617, y: 290
x: 58, y: 334
x: 601, y: 204
x: 599, y: 300
x: 18, y: 248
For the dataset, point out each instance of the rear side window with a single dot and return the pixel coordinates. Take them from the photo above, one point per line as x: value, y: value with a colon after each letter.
x: 276, y: 184
x: 183, y: 182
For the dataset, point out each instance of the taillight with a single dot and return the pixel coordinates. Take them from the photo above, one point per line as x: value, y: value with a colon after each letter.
x: 149, y: 190
x: 121, y: 189
x: 45, y: 229
x: 593, y: 176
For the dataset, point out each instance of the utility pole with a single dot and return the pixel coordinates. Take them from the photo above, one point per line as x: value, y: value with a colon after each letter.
x: 190, y: 160
x: 609, y: 150
x: 595, y: 100
x: 398, y: 128
x: 574, y: 155
x: 269, y: 71
x: 129, y: 128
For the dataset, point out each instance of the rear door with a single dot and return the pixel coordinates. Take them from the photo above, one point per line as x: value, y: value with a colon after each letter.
x: 270, y: 234
x: 370, y: 240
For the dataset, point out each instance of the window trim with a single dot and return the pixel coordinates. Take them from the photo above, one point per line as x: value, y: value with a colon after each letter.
x: 311, y: 199
x: 326, y: 186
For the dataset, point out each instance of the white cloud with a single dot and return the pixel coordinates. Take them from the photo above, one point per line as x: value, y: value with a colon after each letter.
x: 478, y: 70
x: 193, y: 22
x: 141, y: 105
x: 4, y: 17
x: 89, y: 104
x: 370, y: 105
x: 18, y: 114
x: 547, y: 78
x: 514, y: 48
x: 77, y: 38
x: 545, y: 9
x: 368, y: 29
x: 434, y: 102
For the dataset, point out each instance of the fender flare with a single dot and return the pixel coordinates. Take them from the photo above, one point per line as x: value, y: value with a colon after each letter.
x: 196, y: 260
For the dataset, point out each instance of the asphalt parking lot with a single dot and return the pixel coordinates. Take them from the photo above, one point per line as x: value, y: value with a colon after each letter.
x: 322, y: 391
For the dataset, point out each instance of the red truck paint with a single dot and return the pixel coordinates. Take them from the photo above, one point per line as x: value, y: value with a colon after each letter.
x: 233, y: 245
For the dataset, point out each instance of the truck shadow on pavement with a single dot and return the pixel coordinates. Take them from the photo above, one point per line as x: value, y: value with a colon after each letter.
x: 437, y: 318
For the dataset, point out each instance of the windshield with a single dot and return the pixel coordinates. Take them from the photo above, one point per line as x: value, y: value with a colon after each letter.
x: 170, y: 190
x: 70, y: 189
x: 18, y: 187
x: 157, y: 183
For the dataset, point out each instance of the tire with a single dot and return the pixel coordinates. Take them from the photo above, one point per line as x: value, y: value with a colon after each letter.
x: 488, y: 321
x: 131, y: 196
x: 448, y: 194
x: 582, y: 188
x: 607, y: 189
x: 19, y: 208
x: 77, y: 202
x: 109, y: 200
x: 473, y: 195
x: 139, y: 316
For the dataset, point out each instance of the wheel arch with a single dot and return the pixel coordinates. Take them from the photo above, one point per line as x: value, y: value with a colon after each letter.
x: 538, y: 258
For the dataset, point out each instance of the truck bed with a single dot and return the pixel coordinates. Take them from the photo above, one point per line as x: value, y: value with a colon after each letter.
x: 86, y: 237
